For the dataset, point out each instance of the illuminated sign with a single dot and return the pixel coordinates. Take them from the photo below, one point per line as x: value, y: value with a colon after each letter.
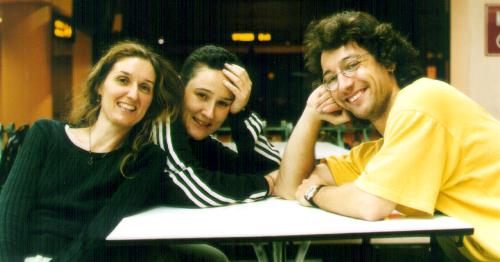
x: 264, y: 37
x: 242, y: 37
x: 62, y: 28
x: 250, y: 37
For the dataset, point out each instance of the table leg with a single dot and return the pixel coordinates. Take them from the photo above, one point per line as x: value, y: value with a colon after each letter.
x: 260, y: 252
x: 367, y: 252
x: 302, y: 251
x: 279, y: 251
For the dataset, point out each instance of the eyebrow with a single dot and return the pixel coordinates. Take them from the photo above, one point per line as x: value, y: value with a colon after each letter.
x: 229, y: 99
x: 341, y: 61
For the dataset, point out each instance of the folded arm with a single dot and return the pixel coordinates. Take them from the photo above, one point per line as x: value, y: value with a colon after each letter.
x: 206, y: 173
x: 298, y: 158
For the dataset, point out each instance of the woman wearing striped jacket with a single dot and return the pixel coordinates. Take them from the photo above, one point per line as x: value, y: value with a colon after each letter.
x: 203, y: 171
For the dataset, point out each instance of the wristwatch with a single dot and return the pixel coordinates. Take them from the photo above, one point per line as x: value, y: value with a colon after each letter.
x: 311, y: 192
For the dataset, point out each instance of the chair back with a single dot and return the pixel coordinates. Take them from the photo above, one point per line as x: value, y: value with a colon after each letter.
x: 14, y: 142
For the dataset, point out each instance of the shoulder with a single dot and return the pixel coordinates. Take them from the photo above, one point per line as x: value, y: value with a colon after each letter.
x: 149, y: 150
x: 47, y: 126
x: 426, y: 89
x: 428, y: 96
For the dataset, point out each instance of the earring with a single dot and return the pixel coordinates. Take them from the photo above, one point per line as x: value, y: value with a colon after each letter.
x: 391, y: 69
x: 98, y: 100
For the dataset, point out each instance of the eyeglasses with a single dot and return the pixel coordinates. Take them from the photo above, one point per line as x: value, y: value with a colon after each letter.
x: 348, y: 68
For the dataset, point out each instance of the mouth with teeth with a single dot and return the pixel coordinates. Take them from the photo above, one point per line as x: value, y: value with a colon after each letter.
x: 202, y: 123
x: 356, y: 98
x: 127, y: 107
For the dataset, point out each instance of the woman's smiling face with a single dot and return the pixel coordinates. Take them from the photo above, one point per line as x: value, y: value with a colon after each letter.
x: 206, y: 103
x: 127, y: 92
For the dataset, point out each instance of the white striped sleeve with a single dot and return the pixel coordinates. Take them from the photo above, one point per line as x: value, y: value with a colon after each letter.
x: 184, y: 176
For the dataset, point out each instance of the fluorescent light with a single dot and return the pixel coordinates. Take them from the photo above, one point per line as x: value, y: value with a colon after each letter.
x: 243, y: 37
x: 264, y: 37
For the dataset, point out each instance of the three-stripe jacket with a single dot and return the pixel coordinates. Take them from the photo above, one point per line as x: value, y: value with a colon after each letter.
x: 206, y: 173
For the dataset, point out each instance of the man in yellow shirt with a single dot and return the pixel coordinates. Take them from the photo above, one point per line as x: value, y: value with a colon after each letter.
x: 439, y: 149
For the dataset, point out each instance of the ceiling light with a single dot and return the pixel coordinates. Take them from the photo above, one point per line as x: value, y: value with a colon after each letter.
x: 264, y: 37
x: 243, y: 37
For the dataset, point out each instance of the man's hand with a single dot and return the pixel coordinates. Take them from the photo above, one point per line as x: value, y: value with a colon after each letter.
x: 239, y: 83
x: 271, y: 181
x: 320, y: 176
x: 321, y: 102
x: 302, y: 189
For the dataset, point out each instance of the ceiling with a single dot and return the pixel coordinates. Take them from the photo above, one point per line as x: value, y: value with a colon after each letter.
x: 184, y: 24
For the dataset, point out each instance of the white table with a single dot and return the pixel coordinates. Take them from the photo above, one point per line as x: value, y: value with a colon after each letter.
x: 270, y: 220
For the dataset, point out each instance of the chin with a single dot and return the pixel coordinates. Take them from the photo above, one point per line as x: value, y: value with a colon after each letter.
x: 198, y: 136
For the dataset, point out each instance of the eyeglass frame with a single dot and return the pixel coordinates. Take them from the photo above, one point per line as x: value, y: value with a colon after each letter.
x: 349, y: 71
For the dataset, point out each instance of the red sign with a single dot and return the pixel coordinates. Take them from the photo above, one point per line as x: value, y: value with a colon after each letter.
x: 492, y: 29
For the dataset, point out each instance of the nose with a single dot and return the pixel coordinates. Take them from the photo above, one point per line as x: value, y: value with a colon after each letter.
x: 344, y: 83
x: 133, y: 92
x: 208, y: 110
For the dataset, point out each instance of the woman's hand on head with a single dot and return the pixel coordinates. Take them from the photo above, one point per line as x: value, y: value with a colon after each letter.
x: 239, y: 83
x: 322, y: 102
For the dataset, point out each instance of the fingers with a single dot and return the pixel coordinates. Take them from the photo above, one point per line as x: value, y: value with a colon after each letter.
x: 299, y: 195
x: 237, y: 75
x: 322, y: 101
x: 233, y: 88
x: 239, y: 83
x: 337, y: 118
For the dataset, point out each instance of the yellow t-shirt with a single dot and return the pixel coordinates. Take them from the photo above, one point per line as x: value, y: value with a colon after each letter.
x: 440, y: 151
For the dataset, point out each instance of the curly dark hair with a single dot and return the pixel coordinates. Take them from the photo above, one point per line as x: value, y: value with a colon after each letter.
x: 386, y: 45
x: 211, y: 56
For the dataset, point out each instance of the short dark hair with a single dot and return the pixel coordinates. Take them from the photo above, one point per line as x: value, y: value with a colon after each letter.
x: 214, y: 57
x: 384, y: 43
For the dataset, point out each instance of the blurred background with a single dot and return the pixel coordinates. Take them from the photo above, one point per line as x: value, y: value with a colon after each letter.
x: 270, y: 40
x: 48, y: 46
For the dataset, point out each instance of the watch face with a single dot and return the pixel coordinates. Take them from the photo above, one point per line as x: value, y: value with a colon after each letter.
x: 310, y: 192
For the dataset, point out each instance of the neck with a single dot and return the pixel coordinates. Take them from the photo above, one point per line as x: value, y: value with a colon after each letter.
x: 381, y: 121
x: 105, y: 137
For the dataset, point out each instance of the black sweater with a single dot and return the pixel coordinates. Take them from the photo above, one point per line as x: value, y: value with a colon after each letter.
x: 55, y: 204
x: 206, y: 173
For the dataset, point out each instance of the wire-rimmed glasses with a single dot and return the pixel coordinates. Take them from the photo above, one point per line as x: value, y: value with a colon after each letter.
x: 348, y: 68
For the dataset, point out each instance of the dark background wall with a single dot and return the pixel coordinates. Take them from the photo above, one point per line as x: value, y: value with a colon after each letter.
x: 281, y: 84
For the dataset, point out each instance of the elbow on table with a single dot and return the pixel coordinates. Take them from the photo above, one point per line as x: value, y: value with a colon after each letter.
x: 373, y: 215
x: 376, y: 210
x: 285, y: 192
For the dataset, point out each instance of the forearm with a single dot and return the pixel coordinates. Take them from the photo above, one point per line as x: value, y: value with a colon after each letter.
x: 298, y: 158
x: 255, y: 152
x: 350, y: 201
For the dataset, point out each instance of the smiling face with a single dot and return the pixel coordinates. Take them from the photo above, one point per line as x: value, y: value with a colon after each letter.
x: 369, y: 91
x: 206, y: 103
x: 127, y: 92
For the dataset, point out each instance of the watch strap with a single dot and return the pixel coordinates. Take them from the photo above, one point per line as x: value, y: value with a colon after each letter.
x: 310, y: 199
